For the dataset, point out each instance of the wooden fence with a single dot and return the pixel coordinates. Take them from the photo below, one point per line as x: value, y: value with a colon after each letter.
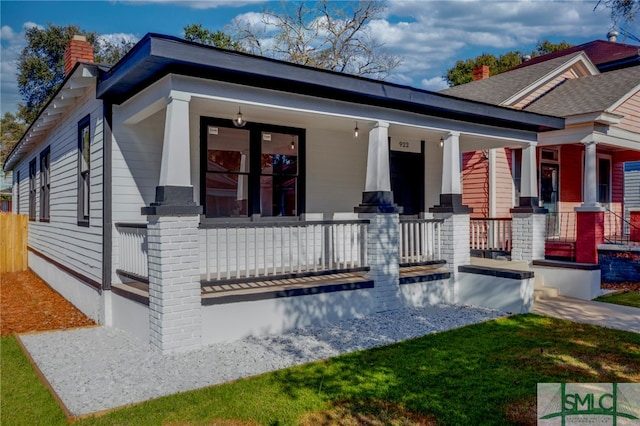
x: 13, y: 242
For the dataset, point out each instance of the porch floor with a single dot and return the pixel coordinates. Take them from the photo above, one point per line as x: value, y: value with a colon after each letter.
x: 299, y: 286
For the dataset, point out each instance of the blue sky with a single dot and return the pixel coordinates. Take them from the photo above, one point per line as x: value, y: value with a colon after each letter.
x: 428, y: 35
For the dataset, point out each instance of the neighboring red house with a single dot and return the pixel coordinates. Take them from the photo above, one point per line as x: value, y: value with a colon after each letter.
x: 596, y: 88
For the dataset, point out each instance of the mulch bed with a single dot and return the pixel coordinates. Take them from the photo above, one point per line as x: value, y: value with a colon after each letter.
x: 624, y: 286
x: 28, y: 304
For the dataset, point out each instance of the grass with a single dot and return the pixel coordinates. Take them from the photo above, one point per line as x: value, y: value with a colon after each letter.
x: 627, y: 298
x: 481, y: 374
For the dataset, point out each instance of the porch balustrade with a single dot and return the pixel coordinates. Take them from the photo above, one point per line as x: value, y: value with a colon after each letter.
x: 259, y: 250
x: 561, y: 226
x: 491, y: 234
x: 420, y: 240
x: 133, y: 249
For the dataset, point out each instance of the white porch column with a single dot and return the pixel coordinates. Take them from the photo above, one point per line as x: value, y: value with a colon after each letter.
x: 528, y: 176
x: 378, y: 174
x: 377, y: 196
x: 455, y: 229
x: 451, y: 164
x: 175, y: 169
x: 451, y: 189
x: 590, y: 176
x: 173, y: 219
x: 528, y: 230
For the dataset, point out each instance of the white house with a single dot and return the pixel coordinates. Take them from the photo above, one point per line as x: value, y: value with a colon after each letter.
x: 190, y: 194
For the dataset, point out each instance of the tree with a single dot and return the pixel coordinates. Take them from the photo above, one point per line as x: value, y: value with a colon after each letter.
x: 622, y: 11
x: 41, y: 63
x: 323, y: 34
x: 12, y: 130
x: 196, y: 33
x: 462, y: 72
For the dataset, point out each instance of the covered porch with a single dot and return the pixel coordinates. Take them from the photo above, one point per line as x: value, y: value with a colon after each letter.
x: 281, y: 202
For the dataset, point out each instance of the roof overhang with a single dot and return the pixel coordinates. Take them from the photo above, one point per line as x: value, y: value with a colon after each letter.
x: 157, y: 55
x: 80, y: 79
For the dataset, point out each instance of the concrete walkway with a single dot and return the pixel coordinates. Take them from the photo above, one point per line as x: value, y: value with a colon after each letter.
x: 607, y: 315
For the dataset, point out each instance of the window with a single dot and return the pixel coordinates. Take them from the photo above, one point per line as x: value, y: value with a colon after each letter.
x: 278, y: 174
x: 604, y: 179
x: 517, y: 175
x: 32, y: 189
x: 45, y: 184
x: 255, y: 170
x: 84, y: 169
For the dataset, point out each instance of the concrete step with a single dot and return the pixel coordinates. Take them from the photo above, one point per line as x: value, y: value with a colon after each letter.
x: 544, y: 292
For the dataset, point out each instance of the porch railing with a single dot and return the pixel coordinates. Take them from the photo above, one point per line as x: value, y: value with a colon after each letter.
x: 492, y: 234
x: 133, y: 248
x: 420, y: 240
x: 561, y: 226
x: 617, y: 229
x: 265, y: 250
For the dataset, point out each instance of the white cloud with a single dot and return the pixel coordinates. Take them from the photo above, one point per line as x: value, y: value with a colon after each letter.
x: 30, y: 24
x: 7, y: 33
x: 434, y: 84
x: 115, y: 38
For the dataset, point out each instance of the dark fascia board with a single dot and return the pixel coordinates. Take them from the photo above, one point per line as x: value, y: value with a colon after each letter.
x: 158, y: 55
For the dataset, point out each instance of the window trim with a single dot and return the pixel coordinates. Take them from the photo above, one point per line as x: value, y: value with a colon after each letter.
x: 255, y: 173
x: 17, y: 205
x: 45, y: 185
x: 33, y: 171
x: 84, y: 175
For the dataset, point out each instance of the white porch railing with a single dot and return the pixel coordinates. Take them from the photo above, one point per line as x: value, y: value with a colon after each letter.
x: 238, y: 251
x: 491, y: 234
x: 420, y: 240
x: 133, y: 250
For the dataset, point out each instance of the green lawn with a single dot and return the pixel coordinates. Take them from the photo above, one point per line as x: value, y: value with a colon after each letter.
x: 480, y: 374
x: 627, y: 298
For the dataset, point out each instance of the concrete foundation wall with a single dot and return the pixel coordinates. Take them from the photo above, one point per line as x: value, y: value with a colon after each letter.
x: 576, y: 283
x: 235, y: 321
x: 87, y: 299
x: 129, y: 316
x: 426, y: 293
x: 506, y: 294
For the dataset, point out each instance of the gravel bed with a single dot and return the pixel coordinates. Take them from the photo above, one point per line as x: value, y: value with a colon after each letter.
x: 99, y: 368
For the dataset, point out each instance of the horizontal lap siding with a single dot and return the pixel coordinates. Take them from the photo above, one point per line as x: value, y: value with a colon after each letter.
x: 336, y: 171
x: 630, y: 109
x: 475, y: 183
x: 504, y: 183
x: 77, y: 247
x: 136, y: 156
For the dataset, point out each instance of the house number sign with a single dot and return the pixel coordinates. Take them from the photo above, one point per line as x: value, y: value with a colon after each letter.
x: 406, y: 145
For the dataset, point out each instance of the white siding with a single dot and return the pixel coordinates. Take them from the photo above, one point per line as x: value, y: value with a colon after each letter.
x: 336, y: 171
x: 77, y: 247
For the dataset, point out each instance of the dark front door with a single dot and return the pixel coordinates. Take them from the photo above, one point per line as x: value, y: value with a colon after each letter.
x: 407, y: 180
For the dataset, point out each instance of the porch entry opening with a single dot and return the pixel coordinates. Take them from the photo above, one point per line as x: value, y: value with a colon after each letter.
x: 406, y: 164
x: 549, y: 195
x: 257, y: 169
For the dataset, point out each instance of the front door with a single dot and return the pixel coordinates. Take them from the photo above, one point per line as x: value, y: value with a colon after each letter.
x: 406, y: 163
x: 549, y: 195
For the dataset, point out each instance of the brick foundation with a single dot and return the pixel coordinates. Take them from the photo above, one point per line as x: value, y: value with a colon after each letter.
x: 383, y: 240
x: 528, y: 233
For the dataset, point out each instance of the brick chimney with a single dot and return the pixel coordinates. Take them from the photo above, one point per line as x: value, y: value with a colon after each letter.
x: 481, y: 72
x: 78, y: 50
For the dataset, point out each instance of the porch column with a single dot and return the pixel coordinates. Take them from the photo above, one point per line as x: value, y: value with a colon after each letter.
x: 455, y: 229
x: 173, y: 219
x: 528, y: 230
x: 377, y: 196
x: 383, y: 232
x: 590, y: 215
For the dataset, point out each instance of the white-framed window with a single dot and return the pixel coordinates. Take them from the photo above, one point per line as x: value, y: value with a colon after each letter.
x: 45, y: 184
x: 84, y: 170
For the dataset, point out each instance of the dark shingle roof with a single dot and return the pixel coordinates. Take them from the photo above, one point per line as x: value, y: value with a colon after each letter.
x: 603, y: 54
x: 587, y: 94
x: 498, y: 88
